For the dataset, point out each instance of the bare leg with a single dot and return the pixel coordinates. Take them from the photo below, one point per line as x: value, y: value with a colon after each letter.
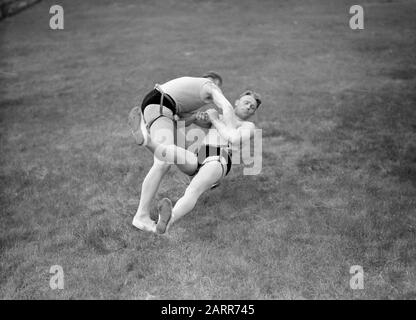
x: 161, y: 140
x: 150, y: 186
x: 209, y: 174
x: 185, y: 160
x: 159, y: 132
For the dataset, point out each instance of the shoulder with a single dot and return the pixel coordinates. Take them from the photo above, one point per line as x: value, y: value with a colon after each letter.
x: 209, y: 86
x: 247, y: 125
x: 209, y: 90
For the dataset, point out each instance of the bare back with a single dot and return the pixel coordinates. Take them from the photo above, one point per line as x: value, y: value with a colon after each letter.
x: 189, y: 93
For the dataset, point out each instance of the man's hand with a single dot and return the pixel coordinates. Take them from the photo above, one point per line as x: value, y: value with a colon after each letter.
x: 212, y: 114
x: 199, y: 118
x: 202, y: 116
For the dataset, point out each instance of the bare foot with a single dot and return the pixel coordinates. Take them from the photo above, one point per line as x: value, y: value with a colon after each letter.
x: 165, y: 214
x: 144, y: 223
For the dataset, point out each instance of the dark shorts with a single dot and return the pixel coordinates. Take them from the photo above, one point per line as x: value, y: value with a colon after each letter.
x: 215, y: 153
x: 154, y: 96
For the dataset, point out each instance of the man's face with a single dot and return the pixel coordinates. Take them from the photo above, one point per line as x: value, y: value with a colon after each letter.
x: 245, y: 107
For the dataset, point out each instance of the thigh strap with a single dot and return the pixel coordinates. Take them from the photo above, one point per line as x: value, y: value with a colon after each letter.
x: 164, y: 99
x: 152, y: 120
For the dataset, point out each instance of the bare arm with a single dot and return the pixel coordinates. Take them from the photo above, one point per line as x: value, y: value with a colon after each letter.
x: 242, y: 133
x: 198, y: 119
x: 221, y: 102
x: 234, y: 135
x: 189, y: 120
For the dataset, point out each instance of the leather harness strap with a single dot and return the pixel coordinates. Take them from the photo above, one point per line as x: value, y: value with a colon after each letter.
x: 162, y: 95
x: 161, y: 106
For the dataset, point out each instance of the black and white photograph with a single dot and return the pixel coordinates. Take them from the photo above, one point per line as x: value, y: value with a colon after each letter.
x: 207, y: 150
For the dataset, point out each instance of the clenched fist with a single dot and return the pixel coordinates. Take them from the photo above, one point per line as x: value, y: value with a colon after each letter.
x: 202, y: 116
x: 212, y: 114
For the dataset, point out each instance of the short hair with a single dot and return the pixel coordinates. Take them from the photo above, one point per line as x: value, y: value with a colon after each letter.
x: 213, y: 75
x: 254, y: 94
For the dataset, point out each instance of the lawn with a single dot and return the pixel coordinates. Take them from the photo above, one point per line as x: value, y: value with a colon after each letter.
x: 338, y: 181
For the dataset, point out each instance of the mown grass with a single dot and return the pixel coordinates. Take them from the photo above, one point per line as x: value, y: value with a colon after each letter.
x: 338, y: 182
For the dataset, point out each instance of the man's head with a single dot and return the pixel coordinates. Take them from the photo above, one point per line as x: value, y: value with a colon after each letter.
x: 247, y: 104
x: 215, y: 77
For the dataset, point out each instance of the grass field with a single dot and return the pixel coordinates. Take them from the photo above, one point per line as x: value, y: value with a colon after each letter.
x: 338, y: 184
